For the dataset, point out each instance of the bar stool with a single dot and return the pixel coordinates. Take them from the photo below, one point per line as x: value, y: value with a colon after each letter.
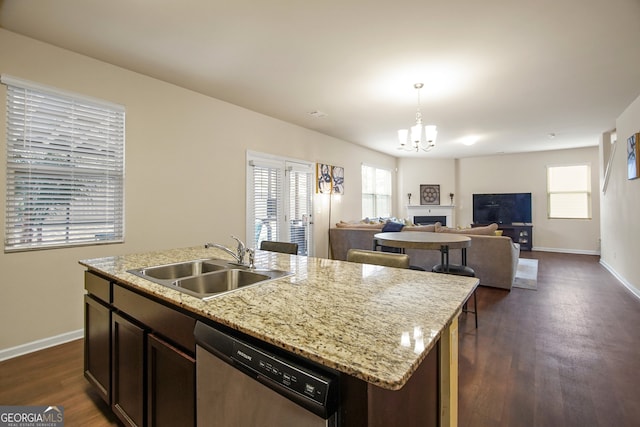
x: 282, y: 247
x: 385, y: 259
x: 460, y: 270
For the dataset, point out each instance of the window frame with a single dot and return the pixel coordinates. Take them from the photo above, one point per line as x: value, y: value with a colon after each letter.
x: 64, y: 161
x: 376, y: 195
x: 576, y: 191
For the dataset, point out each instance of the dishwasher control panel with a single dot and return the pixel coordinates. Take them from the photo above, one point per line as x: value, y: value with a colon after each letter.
x: 305, y: 383
x: 310, y: 384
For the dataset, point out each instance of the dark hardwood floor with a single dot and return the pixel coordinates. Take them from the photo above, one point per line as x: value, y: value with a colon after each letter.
x: 54, y: 376
x: 567, y: 354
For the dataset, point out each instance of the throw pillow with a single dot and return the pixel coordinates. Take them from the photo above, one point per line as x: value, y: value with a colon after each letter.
x: 392, y: 226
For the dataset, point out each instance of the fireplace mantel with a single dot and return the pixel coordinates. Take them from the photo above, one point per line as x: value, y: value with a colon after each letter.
x: 432, y: 210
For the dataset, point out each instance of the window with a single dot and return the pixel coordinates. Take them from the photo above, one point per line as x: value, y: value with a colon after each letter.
x: 376, y: 192
x: 65, y: 169
x: 280, y: 201
x: 568, y: 191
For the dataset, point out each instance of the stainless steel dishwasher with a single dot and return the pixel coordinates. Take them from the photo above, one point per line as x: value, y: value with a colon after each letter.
x: 242, y: 382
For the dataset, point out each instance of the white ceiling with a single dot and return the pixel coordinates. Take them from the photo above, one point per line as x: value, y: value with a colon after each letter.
x: 508, y: 71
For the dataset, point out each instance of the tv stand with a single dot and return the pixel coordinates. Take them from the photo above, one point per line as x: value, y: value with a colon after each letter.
x: 522, y: 234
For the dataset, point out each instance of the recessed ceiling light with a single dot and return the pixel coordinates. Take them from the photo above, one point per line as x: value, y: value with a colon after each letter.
x: 318, y: 114
x: 469, y: 140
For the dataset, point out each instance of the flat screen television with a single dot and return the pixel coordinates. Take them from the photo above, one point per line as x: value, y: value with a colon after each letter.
x: 502, y: 208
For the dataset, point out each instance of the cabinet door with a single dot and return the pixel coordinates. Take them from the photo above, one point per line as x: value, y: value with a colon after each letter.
x: 128, y: 397
x: 97, y: 346
x: 170, y: 385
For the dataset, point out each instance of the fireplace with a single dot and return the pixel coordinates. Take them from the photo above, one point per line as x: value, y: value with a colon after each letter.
x: 429, y: 219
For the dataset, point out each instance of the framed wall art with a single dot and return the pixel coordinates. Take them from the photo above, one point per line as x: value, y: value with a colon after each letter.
x: 337, y: 180
x: 323, y: 179
x: 329, y: 179
x: 633, y: 162
x: 429, y: 194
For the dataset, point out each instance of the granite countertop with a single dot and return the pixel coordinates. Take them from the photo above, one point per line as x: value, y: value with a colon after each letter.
x: 374, y: 323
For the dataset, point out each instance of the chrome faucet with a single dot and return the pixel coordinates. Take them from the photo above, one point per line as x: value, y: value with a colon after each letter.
x: 240, y: 249
x: 238, y: 255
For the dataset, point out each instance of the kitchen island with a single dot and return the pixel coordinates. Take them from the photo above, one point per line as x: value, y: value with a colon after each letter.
x: 374, y: 324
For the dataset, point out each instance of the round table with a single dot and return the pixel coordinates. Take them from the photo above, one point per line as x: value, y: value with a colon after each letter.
x: 435, y: 241
x: 442, y: 242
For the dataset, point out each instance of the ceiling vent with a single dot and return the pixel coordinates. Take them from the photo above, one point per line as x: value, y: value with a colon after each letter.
x: 318, y: 114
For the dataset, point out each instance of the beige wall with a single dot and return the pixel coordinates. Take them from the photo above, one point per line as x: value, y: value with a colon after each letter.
x: 526, y: 173
x: 513, y: 173
x: 621, y: 207
x: 185, y: 179
x: 412, y: 172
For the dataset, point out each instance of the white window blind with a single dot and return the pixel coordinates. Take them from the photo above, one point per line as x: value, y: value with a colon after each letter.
x: 65, y: 168
x: 569, y: 191
x: 376, y: 192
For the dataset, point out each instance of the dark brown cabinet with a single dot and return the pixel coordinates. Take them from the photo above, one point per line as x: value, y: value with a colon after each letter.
x: 140, y: 355
x: 521, y: 234
x: 97, y: 346
x: 128, y: 371
x: 171, y: 385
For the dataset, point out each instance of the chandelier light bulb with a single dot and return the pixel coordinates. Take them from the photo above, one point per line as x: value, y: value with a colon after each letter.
x: 403, y: 134
x: 416, y: 133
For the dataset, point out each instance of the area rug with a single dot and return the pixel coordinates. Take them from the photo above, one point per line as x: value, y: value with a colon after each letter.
x: 527, y: 274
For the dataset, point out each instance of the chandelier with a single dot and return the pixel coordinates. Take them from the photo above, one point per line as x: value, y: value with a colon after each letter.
x: 416, y: 138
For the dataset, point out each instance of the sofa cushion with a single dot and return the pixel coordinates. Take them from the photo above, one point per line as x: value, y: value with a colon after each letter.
x: 430, y: 227
x: 488, y: 230
x: 343, y: 224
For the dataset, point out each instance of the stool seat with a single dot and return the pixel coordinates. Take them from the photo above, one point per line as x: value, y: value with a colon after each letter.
x: 460, y: 270
x: 281, y: 247
x: 455, y: 269
x: 386, y: 259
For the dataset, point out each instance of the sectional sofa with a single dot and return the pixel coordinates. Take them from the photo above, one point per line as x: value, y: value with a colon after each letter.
x: 493, y: 258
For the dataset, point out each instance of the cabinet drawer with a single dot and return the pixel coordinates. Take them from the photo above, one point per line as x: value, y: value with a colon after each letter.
x: 98, y: 286
x: 170, y: 323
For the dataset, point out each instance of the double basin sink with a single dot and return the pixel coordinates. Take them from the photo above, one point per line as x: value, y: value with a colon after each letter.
x: 206, y: 278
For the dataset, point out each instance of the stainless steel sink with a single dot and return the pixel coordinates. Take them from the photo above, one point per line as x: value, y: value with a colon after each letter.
x: 206, y: 278
x: 220, y: 281
x: 181, y: 269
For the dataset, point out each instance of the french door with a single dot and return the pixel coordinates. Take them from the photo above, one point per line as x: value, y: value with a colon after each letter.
x: 279, y: 201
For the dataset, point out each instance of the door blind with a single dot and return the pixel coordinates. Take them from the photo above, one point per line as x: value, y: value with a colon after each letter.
x: 301, y: 185
x: 266, y: 207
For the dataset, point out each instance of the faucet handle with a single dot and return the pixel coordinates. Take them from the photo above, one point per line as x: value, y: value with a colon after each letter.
x: 240, y: 249
x: 252, y: 254
x: 240, y: 242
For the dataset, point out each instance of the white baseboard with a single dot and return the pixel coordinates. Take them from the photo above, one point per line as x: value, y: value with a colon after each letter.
x: 621, y: 279
x: 30, y: 347
x: 566, y: 251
